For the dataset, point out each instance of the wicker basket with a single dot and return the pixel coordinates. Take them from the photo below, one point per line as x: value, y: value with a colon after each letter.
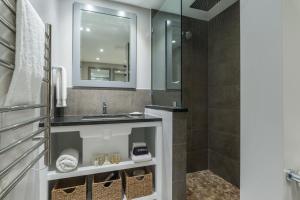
x: 138, y: 186
x: 70, y: 189
x: 111, y: 192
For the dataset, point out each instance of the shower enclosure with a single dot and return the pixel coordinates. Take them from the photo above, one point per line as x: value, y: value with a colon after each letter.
x: 196, y: 63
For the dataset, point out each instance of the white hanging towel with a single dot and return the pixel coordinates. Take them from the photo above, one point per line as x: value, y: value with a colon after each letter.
x: 25, y: 88
x: 61, y: 87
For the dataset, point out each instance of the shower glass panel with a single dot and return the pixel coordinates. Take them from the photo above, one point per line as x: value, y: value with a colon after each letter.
x: 173, y: 55
x: 166, y: 54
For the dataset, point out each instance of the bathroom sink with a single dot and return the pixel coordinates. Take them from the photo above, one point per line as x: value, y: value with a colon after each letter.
x: 107, y: 117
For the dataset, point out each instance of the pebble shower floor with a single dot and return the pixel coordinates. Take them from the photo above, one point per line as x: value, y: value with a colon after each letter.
x: 205, y: 185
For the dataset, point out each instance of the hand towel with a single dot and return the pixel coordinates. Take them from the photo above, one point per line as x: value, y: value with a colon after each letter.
x: 61, y: 87
x: 24, y: 88
x: 68, y: 160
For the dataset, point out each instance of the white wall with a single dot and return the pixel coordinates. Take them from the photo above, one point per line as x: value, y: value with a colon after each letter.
x: 291, y: 95
x: 270, y: 118
x: 143, y: 38
x: 262, y: 162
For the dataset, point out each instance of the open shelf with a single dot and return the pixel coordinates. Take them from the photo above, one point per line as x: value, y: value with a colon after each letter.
x: 89, y: 170
x: 150, y: 197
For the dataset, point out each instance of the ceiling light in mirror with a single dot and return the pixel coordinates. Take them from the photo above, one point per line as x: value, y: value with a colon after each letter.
x: 90, y: 7
x: 121, y: 13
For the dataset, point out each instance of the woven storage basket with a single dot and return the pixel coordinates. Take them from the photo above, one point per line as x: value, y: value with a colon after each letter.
x: 111, y: 192
x: 138, y: 186
x: 70, y: 189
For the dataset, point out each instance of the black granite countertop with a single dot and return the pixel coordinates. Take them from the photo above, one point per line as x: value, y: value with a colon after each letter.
x: 78, y: 120
x: 168, y: 108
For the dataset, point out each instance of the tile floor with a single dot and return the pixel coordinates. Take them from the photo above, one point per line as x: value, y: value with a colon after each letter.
x: 205, y: 185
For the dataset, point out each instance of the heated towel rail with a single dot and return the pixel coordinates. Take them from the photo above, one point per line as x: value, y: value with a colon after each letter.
x: 7, y: 57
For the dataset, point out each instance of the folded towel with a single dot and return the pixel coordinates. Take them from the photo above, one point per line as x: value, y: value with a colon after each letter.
x: 141, y: 158
x: 68, y: 160
x: 61, y: 87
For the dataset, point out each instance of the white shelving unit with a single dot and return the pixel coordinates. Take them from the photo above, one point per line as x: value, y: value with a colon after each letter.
x: 90, y: 133
x: 151, y: 197
x: 89, y: 170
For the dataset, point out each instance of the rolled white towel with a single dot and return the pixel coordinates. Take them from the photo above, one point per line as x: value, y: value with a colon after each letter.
x: 68, y: 160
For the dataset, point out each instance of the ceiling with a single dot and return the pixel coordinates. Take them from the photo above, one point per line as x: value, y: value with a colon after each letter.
x: 151, y: 4
x: 174, y: 6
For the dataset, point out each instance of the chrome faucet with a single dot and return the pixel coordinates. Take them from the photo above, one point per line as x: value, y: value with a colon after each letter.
x: 104, y: 108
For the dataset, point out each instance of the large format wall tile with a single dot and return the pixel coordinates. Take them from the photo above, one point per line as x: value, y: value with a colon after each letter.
x: 225, y: 120
x: 165, y: 98
x: 89, y: 101
x: 227, y: 144
x: 179, y: 154
x: 227, y: 96
x: 227, y: 168
x: 194, y: 72
x: 197, y: 140
x: 224, y: 94
x: 197, y: 160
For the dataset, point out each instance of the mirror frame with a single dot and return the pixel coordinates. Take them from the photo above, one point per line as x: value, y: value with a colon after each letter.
x: 76, y: 79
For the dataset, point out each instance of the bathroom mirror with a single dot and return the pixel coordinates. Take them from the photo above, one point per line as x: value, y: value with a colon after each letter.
x: 104, y: 47
x: 173, y: 54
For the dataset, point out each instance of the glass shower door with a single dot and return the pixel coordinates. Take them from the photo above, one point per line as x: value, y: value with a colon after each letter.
x: 166, y: 54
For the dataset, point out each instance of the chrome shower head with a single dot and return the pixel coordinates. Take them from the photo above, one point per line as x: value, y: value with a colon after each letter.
x: 188, y: 35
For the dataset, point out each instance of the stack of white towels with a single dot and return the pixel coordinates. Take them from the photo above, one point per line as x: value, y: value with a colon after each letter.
x: 67, y: 161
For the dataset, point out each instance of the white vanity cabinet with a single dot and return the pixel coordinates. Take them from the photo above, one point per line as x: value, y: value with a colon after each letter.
x: 113, y: 137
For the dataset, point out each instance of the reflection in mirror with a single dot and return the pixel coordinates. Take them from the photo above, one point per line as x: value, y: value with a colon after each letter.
x: 173, y: 52
x: 104, y: 46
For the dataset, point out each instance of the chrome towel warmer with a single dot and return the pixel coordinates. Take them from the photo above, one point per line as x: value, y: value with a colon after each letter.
x: 7, y: 49
x: 292, y: 176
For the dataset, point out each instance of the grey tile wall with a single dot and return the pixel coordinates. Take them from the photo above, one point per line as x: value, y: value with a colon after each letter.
x: 89, y: 101
x: 195, y: 92
x: 211, y: 92
x: 166, y: 97
x: 179, y: 155
x: 224, y: 94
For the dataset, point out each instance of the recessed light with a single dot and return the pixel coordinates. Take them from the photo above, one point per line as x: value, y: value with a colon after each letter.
x: 88, y: 29
x: 89, y: 7
x: 97, y: 58
x: 101, y: 50
x: 173, y: 41
x: 121, y: 13
x: 81, y: 28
